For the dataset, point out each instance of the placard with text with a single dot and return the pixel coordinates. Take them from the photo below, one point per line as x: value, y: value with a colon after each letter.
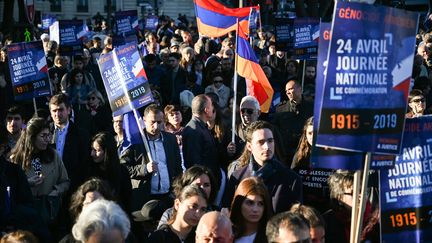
x: 369, y: 70
x: 327, y: 157
x: 306, y: 33
x: 28, y: 70
x: 406, y: 190
x: 125, y: 80
x: 126, y: 22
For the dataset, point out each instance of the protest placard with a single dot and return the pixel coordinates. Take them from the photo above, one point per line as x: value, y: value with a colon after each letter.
x: 28, y: 70
x: 126, y: 22
x: 368, y: 75
x: 125, y: 80
x: 406, y: 190
x: 306, y: 33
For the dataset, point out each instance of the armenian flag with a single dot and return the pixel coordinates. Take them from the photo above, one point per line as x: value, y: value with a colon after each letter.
x: 249, y: 68
x: 215, y: 20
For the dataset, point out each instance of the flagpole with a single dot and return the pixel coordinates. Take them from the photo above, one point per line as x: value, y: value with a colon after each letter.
x: 233, y: 127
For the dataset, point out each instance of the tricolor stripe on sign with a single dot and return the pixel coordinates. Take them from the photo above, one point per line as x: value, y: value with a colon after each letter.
x: 215, y: 20
x: 249, y: 68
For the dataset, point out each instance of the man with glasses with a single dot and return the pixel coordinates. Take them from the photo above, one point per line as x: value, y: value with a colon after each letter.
x: 288, y: 227
x: 416, y: 104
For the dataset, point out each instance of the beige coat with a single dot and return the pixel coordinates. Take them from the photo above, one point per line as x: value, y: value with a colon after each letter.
x: 55, y: 178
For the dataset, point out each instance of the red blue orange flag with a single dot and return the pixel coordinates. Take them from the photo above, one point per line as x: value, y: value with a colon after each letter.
x: 215, y: 20
x: 249, y: 68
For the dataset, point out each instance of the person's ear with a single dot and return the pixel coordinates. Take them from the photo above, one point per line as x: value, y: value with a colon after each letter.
x: 176, y: 204
x: 249, y: 146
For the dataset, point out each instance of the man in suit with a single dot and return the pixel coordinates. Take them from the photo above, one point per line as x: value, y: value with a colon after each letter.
x: 284, y: 185
x: 71, y: 142
x: 153, y: 180
x: 199, y: 147
x: 175, y: 81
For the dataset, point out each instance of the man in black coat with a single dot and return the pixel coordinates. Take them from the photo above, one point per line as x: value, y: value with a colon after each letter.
x: 283, y: 184
x: 199, y: 147
x: 71, y: 142
x: 153, y: 180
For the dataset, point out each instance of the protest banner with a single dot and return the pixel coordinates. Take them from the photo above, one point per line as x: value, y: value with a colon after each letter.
x: 126, y: 22
x: 284, y: 32
x: 254, y: 21
x: 126, y: 84
x: 124, y: 78
x: 306, y: 33
x: 326, y: 157
x: 406, y: 190
x: 368, y: 75
x: 47, y: 21
x: 151, y: 23
x: 68, y: 34
x: 28, y: 70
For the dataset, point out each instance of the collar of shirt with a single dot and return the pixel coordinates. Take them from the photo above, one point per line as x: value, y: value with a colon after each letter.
x: 65, y: 128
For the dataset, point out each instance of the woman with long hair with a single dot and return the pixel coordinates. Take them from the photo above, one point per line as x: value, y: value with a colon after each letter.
x: 187, y: 60
x: 200, y: 176
x: 45, y: 170
x: 250, y: 210
x: 301, y: 158
x: 78, y: 89
x: 189, y: 206
x: 106, y: 165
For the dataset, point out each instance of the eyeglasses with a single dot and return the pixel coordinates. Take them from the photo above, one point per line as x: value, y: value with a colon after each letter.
x: 46, y: 136
x: 91, y: 98
x: 247, y: 110
x: 217, y: 81
x: 418, y: 100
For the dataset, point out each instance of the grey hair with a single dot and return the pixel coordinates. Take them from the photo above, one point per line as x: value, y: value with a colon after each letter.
x: 252, y: 99
x: 100, y: 216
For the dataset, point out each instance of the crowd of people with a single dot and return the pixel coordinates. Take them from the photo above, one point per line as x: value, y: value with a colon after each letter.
x: 70, y: 172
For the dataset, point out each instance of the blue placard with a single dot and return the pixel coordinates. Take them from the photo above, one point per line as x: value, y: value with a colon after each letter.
x: 125, y: 80
x: 28, y: 70
x: 126, y: 22
x: 369, y: 71
x: 47, y: 21
x: 406, y: 190
x: 151, y: 23
x: 69, y: 33
x: 306, y: 33
x: 253, y: 21
x: 330, y: 158
x: 284, y: 32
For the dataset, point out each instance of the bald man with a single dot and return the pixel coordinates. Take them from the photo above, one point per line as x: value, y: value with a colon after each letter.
x: 214, y: 227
